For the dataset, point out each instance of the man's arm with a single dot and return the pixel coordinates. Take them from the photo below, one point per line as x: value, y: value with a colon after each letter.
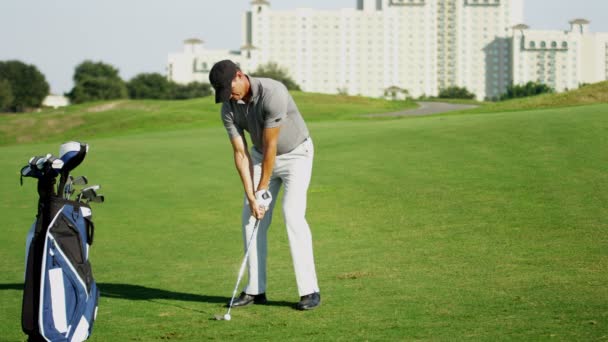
x: 270, y: 136
x: 244, y: 166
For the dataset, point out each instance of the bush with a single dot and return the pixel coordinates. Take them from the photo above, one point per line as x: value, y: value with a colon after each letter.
x: 455, y: 93
x: 95, y: 89
x: 89, y: 69
x: 6, y: 95
x: 528, y: 89
x: 190, y: 90
x: 97, y: 81
x: 156, y: 86
x: 149, y: 86
x: 274, y: 71
x: 27, y: 85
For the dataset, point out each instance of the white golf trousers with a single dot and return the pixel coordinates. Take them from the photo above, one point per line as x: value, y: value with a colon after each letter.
x: 293, y: 170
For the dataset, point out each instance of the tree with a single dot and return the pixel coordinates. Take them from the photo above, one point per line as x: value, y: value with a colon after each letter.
x: 190, y: 90
x: 95, y: 89
x: 274, y: 71
x: 97, y: 81
x: 528, y: 89
x: 149, y: 86
x: 455, y: 93
x: 6, y: 95
x: 28, y: 86
x: 90, y: 69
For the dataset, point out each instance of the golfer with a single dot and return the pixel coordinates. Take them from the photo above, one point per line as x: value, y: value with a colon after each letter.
x: 281, y: 154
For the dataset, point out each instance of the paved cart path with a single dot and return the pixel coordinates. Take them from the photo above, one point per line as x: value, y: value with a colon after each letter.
x: 425, y: 108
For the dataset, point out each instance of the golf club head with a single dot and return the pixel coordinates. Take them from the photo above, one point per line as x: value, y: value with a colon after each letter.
x: 71, y: 182
x: 88, y: 193
x: 97, y: 199
x: 41, y: 166
x: 80, y: 180
x: 92, y: 188
x: 46, y: 163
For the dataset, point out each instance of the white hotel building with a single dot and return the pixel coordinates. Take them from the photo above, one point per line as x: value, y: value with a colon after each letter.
x: 561, y: 59
x: 421, y: 46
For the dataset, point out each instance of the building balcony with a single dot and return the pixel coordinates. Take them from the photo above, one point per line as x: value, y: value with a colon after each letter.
x: 492, y: 3
x: 407, y: 3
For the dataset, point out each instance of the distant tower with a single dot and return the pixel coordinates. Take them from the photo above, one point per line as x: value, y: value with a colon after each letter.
x: 258, y: 9
x: 193, y: 45
x: 369, y: 5
x: 258, y: 6
x: 254, y: 20
x: 520, y: 69
x: 579, y: 26
x: 518, y: 32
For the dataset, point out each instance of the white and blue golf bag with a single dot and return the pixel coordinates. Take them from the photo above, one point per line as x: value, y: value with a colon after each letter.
x: 60, y: 295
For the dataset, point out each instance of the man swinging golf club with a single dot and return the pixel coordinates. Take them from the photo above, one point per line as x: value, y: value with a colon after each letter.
x: 282, y: 154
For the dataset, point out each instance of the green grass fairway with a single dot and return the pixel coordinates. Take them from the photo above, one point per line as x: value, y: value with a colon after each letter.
x: 454, y: 227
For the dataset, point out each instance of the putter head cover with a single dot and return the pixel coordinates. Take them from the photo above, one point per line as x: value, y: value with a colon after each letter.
x: 72, y: 153
x: 263, y: 198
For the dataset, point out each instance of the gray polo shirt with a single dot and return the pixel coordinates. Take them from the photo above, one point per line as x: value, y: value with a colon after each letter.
x: 270, y: 106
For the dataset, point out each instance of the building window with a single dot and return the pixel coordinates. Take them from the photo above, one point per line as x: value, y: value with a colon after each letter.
x: 532, y: 45
x: 543, y: 44
x: 565, y: 45
x: 553, y: 44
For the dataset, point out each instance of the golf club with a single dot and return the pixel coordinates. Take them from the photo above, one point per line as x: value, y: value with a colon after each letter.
x: 71, y: 182
x: 80, y: 180
x: 88, y: 193
x: 227, y: 316
x: 68, y: 188
x: 96, y: 199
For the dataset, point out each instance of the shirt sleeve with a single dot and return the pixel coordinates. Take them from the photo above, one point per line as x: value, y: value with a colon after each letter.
x: 275, y: 107
x: 232, y: 128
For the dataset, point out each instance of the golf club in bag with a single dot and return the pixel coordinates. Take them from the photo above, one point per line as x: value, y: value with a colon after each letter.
x: 60, y: 295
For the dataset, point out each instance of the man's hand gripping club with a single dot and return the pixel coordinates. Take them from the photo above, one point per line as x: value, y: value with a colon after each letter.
x: 263, y: 198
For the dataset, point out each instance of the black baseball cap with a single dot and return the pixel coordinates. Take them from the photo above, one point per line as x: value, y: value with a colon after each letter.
x: 220, y: 77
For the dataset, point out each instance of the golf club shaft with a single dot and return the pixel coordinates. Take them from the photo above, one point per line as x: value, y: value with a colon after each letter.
x: 242, y: 269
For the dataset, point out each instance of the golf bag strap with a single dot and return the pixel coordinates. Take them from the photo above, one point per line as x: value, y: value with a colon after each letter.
x: 62, y: 180
x: 90, y: 231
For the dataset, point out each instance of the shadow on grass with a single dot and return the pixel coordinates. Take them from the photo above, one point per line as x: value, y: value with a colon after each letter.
x: 138, y: 292
x: 11, y: 287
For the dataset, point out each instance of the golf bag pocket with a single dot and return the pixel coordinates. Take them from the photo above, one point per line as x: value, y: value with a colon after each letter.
x: 58, y: 303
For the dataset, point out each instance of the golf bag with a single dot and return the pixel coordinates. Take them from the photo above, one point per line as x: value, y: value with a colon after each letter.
x: 60, y: 295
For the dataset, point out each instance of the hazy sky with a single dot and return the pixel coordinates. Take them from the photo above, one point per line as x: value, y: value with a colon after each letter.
x: 137, y: 35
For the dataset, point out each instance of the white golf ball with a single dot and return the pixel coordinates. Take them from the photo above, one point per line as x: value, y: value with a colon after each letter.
x: 227, y: 317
